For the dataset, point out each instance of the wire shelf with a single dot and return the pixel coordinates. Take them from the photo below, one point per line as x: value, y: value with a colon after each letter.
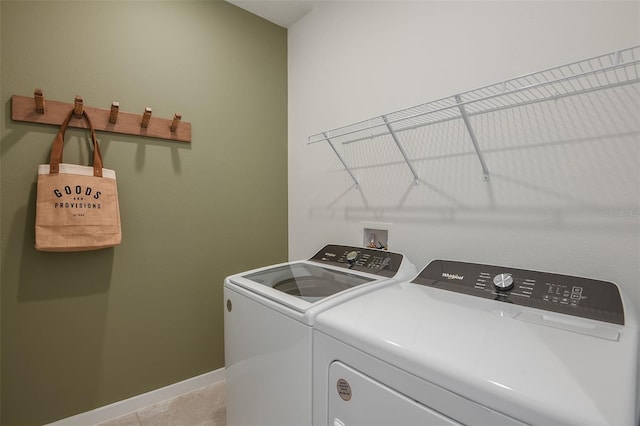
x: 603, y: 72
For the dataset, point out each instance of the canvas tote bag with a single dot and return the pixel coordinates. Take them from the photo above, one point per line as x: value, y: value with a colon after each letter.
x: 77, y: 206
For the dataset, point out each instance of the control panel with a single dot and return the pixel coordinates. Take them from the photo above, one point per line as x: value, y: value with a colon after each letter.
x: 378, y: 262
x: 582, y: 297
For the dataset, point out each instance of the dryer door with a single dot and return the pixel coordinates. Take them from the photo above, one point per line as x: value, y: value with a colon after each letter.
x: 356, y: 399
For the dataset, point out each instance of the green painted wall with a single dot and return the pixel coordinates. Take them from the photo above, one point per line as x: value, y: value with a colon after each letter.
x: 82, y: 330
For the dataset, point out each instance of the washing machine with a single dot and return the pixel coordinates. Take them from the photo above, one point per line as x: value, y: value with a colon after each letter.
x: 475, y: 344
x: 268, y: 319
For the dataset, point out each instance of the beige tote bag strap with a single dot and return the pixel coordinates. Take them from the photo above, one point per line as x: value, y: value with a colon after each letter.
x: 58, y: 145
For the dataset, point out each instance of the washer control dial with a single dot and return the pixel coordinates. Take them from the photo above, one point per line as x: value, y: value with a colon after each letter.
x: 352, y: 256
x: 503, y: 282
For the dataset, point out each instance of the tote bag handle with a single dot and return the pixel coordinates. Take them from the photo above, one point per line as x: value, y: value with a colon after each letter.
x: 58, y: 145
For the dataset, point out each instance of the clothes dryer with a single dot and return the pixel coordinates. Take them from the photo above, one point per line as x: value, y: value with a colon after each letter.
x: 476, y: 344
x: 268, y: 318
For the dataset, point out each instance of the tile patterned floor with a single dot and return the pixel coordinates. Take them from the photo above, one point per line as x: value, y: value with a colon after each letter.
x: 202, y: 407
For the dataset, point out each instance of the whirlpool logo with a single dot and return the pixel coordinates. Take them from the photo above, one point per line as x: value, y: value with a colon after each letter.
x: 452, y: 276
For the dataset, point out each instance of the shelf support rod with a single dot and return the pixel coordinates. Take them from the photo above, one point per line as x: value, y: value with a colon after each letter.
x: 472, y: 135
x: 341, y: 160
x: 402, y: 151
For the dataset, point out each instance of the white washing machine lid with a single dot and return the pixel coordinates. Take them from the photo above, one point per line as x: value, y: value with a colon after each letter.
x: 300, y: 285
x: 335, y: 273
x: 536, y: 366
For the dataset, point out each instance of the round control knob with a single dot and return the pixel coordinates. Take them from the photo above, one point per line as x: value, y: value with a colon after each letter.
x: 503, y: 282
x: 352, y: 256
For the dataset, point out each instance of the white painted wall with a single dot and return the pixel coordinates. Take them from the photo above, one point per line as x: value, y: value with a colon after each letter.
x: 558, y: 199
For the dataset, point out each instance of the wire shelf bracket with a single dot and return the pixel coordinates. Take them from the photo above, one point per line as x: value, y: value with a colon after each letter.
x: 402, y: 151
x: 344, y: 164
x: 472, y: 135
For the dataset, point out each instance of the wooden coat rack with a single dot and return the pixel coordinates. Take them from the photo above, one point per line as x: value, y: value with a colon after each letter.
x: 36, y: 110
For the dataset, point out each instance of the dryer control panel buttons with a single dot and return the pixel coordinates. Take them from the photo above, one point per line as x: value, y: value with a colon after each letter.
x: 503, y: 282
x: 582, y: 297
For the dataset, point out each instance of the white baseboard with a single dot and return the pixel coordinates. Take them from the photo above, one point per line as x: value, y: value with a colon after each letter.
x: 138, y: 402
